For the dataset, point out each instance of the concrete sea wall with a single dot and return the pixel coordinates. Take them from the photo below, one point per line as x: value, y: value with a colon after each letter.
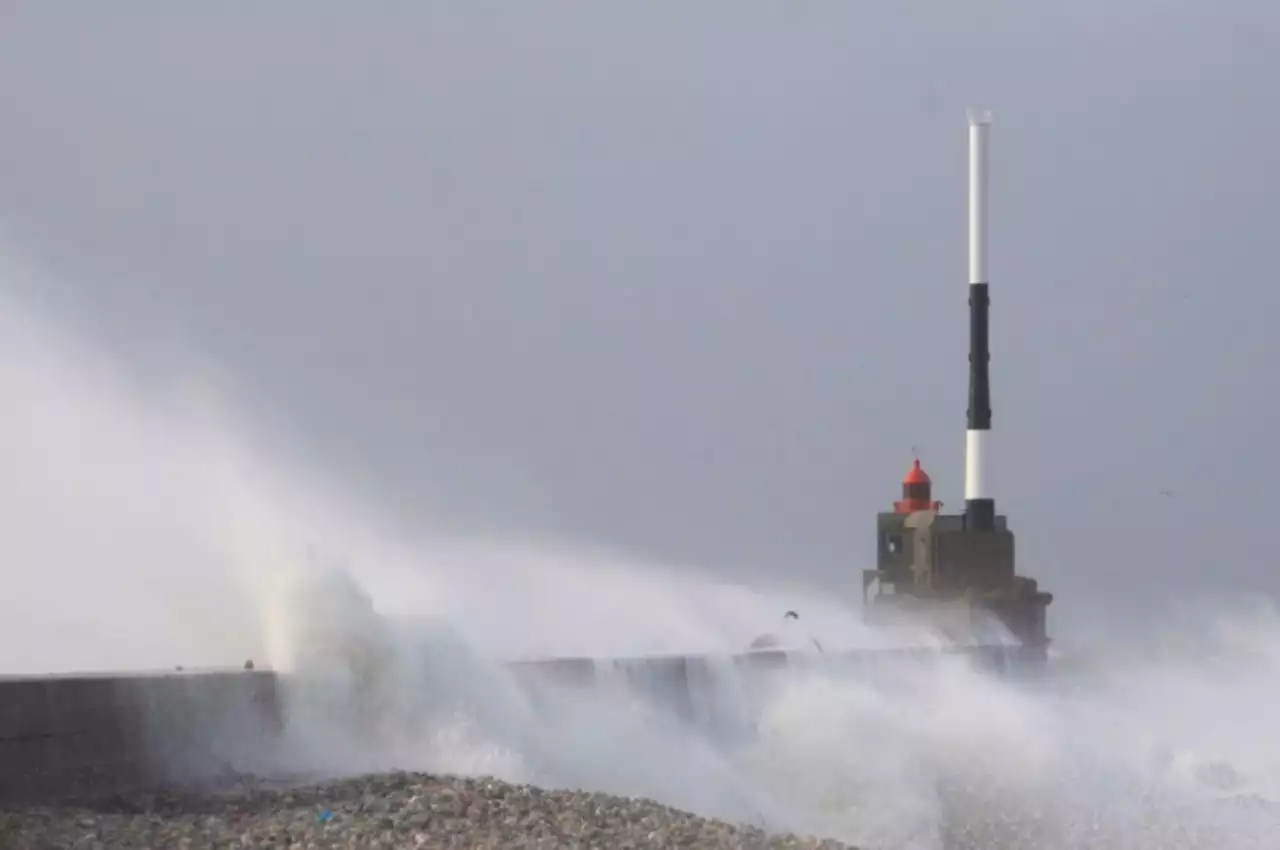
x: 72, y: 735
x: 86, y: 735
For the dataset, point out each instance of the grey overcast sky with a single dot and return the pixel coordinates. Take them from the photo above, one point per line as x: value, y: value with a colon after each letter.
x: 688, y: 279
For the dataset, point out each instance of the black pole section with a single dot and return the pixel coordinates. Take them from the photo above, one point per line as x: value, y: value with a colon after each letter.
x: 980, y: 512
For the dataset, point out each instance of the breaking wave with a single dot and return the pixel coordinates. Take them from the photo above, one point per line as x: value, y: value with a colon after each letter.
x: 144, y: 532
x: 1147, y: 750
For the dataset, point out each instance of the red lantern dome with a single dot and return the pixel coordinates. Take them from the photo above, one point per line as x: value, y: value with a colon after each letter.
x: 917, y: 492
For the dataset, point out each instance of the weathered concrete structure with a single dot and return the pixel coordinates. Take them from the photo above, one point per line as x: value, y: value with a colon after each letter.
x: 937, y: 568
x: 66, y: 737
x: 63, y: 736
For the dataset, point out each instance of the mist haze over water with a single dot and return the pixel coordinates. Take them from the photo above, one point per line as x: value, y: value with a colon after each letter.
x: 156, y: 506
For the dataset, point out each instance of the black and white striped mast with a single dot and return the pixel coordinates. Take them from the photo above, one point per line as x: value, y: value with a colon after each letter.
x: 979, y: 507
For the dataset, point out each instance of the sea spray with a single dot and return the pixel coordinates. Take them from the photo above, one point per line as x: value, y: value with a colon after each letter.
x: 144, y: 532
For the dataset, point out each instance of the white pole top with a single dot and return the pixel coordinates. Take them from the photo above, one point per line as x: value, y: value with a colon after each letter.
x: 979, y: 133
x: 979, y: 116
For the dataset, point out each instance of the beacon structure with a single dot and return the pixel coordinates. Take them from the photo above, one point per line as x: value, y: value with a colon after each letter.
x: 956, y: 571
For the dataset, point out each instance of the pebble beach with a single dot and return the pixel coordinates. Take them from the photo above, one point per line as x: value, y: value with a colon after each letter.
x: 400, y: 810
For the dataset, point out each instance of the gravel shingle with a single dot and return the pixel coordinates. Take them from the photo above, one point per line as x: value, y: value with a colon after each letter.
x: 381, y: 811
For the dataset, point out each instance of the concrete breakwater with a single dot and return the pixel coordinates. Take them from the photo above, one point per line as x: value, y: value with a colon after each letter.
x: 67, y: 736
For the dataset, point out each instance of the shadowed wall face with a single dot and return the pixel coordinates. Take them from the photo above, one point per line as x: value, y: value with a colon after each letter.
x: 68, y: 736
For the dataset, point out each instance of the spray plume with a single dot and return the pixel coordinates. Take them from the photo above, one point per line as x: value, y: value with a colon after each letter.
x: 143, y: 532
